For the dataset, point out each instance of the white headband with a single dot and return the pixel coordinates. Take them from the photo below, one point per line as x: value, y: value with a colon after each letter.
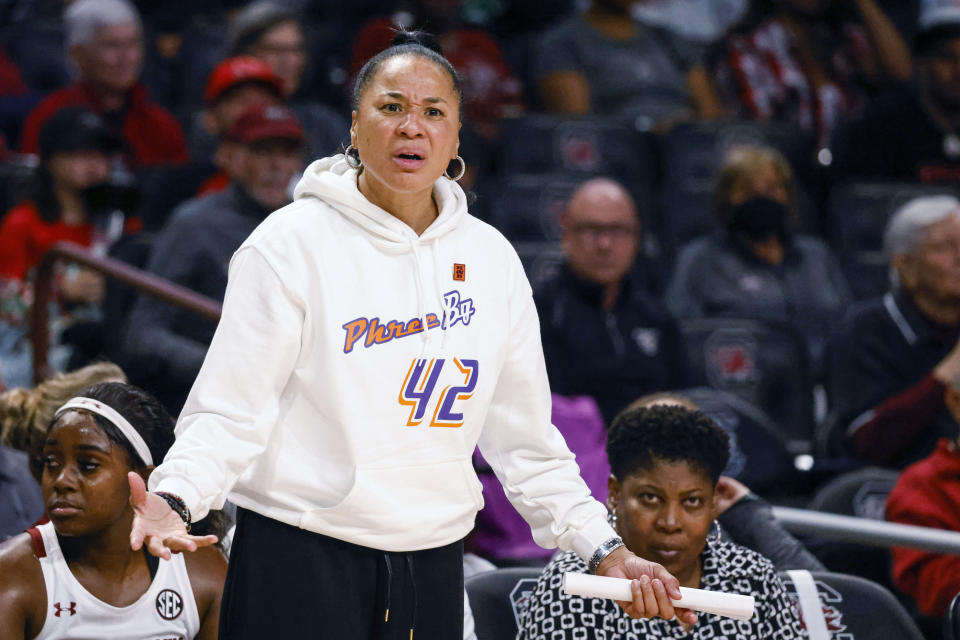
x: 111, y: 414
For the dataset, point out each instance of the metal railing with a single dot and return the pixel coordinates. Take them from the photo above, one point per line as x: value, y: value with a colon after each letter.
x: 866, y: 531
x: 139, y: 279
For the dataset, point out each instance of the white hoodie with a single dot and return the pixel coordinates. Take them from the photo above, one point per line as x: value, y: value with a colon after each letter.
x: 322, y: 403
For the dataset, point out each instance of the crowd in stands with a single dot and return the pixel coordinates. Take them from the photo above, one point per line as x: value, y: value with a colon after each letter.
x: 788, y: 170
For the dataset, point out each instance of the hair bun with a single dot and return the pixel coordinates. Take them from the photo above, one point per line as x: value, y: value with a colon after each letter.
x: 421, y: 38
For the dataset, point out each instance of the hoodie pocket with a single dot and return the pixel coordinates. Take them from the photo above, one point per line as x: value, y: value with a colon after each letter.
x: 399, y: 503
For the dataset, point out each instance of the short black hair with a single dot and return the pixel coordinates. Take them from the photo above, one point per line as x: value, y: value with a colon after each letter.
x: 142, y: 410
x: 417, y: 43
x: 640, y: 437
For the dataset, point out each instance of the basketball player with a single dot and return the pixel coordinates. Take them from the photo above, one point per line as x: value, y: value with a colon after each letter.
x: 76, y: 576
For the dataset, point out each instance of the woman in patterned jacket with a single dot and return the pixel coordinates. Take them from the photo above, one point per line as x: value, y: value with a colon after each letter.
x: 665, y: 463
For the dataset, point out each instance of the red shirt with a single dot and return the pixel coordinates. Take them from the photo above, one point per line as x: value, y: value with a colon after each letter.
x: 25, y: 237
x: 927, y: 494
x: 152, y: 133
x: 214, y: 184
x: 11, y: 82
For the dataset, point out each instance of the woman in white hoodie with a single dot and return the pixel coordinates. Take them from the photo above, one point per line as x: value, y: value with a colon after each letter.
x: 374, y: 333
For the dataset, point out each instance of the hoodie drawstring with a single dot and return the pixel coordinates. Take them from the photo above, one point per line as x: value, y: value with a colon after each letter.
x: 438, y: 283
x: 435, y: 248
x: 386, y: 561
x: 418, y: 277
x: 408, y: 560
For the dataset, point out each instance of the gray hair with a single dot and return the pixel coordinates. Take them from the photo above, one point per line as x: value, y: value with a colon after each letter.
x: 253, y: 22
x: 83, y: 18
x: 908, y: 225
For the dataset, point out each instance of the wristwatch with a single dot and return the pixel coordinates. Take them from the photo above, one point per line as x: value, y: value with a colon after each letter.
x: 603, y: 551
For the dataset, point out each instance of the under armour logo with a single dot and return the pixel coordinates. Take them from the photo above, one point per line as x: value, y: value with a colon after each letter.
x: 72, y: 609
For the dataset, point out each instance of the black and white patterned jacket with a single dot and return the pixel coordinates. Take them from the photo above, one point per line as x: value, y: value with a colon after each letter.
x: 550, y: 614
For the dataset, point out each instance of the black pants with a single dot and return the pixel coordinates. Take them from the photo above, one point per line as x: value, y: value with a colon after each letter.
x: 285, y: 582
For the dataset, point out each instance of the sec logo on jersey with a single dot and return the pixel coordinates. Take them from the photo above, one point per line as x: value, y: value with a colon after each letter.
x: 169, y: 604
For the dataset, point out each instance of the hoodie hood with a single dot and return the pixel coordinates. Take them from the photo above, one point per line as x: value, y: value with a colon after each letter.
x: 333, y: 181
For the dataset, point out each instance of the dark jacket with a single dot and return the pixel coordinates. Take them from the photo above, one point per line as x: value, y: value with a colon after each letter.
x: 192, y: 250
x: 614, y: 356
x: 880, y: 381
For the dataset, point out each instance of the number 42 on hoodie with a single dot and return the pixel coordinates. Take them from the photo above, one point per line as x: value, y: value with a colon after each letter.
x: 420, y: 384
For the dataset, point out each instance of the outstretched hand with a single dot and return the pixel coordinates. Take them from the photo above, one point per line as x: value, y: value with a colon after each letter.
x: 652, y: 587
x: 157, y: 525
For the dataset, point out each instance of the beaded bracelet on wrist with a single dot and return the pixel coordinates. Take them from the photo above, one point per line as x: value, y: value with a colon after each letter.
x: 178, y: 505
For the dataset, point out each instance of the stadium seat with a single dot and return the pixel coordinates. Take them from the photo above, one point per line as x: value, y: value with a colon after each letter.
x: 497, y: 598
x: 540, y: 260
x: 759, y: 454
x: 762, y: 362
x: 527, y: 207
x: 951, y: 621
x: 861, y: 493
x: 852, y: 608
x: 857, y: 215
x: 585, y: 145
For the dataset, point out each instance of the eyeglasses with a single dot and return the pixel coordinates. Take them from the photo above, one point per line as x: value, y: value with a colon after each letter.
x: 592, y: 232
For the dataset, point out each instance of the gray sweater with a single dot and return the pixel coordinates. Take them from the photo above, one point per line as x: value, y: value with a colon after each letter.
x: 193, y: 250
x: 714, y: 276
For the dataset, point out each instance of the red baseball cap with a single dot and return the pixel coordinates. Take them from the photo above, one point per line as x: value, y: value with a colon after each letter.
x: 265, y: 122
x: 235, y: 71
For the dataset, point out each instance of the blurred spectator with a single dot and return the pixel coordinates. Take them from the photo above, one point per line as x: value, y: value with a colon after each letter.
x: 26, y: 412
x: 913, y: 134
x: 272, y: 32
x: 892, y: 358
x: 757, y: 266
x: 927, y: 494
x: 166, y: 345
x: 75, y: 152
x: 106, y: 46
x: 16, y: 100
x: 490, y: 91
x: 235, y: 85
x: 810, y: 63
x: 604, y: 62
x: 11, y: 82
x: 20, y: 501
x: 602, y: 335
x: 703, y: 21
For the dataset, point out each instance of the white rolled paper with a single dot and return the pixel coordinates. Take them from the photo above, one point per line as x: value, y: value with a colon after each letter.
x: 730, y: 605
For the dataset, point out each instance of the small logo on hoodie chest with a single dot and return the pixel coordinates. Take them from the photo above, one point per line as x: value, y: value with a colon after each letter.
x: 367, y: 332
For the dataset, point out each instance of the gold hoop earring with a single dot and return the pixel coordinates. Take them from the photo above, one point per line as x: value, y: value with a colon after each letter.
x: 463, y: 169
x: 352, y: 156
